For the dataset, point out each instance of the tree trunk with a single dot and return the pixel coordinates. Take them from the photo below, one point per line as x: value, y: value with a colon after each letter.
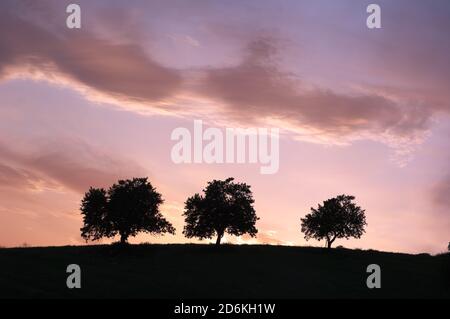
x: 219, y: 238
x: 330, y: 241
x: 123, y: 238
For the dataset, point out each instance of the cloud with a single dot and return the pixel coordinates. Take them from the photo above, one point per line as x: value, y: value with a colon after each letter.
x: 257, y: 88
x: 269, y: 238
x: 418, y: 62
x: 11, y: 177
x: 73, y: 166
x: 441, y: 193
x: 121, y: 71
x: 262, y: 238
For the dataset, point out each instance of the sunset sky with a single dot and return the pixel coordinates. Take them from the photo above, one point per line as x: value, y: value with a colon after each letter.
x: 361, y: 111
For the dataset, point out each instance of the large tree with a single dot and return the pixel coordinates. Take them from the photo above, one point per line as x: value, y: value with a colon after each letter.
x: 127, y: 208
x: 225, y: 207
x: 338, y: 217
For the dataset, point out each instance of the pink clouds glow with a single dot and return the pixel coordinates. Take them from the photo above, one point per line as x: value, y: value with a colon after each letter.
x: 84, y: 108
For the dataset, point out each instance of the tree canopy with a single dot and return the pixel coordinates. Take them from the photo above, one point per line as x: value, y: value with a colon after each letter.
x: 127, y: 208
x: 225, y: 207
x: 338, y: 217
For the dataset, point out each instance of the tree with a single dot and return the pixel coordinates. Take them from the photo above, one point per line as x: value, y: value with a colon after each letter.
x: 127, y: 208
x: 338, y: 217
x: 225, y: 207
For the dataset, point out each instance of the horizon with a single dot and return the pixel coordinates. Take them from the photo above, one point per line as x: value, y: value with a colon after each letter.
x: 360, y: 111
x: 229, y: 244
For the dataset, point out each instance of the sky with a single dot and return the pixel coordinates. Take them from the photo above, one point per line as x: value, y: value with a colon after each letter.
x: 360, y: 111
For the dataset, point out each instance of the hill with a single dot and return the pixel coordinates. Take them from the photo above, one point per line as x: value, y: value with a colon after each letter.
x: 206, y: 271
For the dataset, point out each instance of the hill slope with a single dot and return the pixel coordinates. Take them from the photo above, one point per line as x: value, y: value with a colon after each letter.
x: 204, y: 271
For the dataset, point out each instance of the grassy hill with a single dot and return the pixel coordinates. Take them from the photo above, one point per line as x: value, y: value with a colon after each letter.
x: 205, y: 271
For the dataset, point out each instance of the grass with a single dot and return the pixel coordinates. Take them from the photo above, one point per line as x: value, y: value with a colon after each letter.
x: 206, y: 271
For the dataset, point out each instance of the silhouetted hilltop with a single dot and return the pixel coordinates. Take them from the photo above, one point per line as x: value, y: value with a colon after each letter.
x: 206, y: 271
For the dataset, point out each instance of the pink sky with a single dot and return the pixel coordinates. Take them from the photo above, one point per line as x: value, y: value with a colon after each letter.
x: 361, y: 112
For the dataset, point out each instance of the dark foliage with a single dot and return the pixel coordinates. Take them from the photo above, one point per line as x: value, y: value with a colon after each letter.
x: 127, y: 208
x: 338, y: 217
x: 225, y: 207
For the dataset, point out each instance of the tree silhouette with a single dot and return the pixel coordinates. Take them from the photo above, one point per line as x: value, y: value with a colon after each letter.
x: 128, y: 207
x: 95, y: 216
x: 225, y: 207
x: 338, y: 217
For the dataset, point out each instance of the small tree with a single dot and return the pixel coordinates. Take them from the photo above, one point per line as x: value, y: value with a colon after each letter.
x: 225, y: 207
x: 338, y: 217
x: 127, y: 208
